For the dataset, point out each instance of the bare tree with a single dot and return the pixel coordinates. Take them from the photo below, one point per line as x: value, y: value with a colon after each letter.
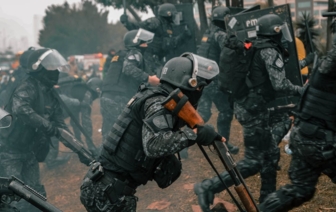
x: 331, y: 8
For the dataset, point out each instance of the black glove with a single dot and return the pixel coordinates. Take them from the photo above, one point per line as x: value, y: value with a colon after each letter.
x: 206, y: 134
x: 309, y: 58
x: 123, y: 18
x: 84, y: 160
x: 52, y: 130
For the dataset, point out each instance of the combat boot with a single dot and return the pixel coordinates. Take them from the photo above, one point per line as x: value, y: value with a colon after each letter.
x: 233, y: 149
x: 207, y: 189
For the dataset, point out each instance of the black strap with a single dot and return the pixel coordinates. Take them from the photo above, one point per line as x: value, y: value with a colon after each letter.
x: 181, y: 102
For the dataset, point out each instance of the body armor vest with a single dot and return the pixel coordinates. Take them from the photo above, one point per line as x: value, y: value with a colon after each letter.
x: 115, y: 81
x: 258, y: 76
x: 209, y: 48
x: 318, y: 105
x: 123, y: 145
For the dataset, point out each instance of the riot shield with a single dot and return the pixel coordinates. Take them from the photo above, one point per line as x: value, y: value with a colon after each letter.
x: 244, y: 27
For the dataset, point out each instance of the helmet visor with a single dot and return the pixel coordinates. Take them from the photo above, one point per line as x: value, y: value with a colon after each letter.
x: 177, y: 18
x: 143, y: 35
x: 204, y: 67
x: 55, y: 61
x: 286, y: 32
x: 5, y: 119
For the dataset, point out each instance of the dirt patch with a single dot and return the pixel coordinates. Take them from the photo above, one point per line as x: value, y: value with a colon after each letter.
x: 62, y: 183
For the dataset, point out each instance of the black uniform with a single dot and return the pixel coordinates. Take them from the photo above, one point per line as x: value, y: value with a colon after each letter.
x: 121, y: 82
x: 312, y: 140
x: 142, y: 143
x: 37, y: 113
x: 267, y: 76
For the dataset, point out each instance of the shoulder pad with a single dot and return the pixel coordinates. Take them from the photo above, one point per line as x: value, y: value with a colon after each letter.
x: 160, y: 122
x: 273, y: 58
x: 135, y: 56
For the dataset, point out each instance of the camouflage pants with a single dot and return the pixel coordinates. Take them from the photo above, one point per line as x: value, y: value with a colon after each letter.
x: 94, y: 199
x: 225, y: 112
x: 110, y: 110
x: 25, y: 167
x: 306, y: 167
x: 261, y: 148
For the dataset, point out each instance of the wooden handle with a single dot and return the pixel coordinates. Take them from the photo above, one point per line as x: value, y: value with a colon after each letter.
x: 187, y: 113
x: 245, y: 198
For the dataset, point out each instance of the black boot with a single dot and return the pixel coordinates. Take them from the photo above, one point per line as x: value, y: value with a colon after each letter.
x: 233, y: 149
x: 207, y: 189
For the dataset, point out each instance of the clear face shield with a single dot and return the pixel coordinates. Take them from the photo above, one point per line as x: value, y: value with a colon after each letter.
x: 203, y: 68
x: 285, y: 32
x: 143, y: 35
x: 5, y: 119
x: 52, y: 60
x: 177, y: 18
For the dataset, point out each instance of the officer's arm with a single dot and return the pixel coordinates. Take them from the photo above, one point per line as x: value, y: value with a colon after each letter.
x: 220, y: 38
x: 86, y: 113
x: 58, y: 117
x: 276, y: 70
x: 158, y: 138
x: 23, y: 98
x: 131, y: 67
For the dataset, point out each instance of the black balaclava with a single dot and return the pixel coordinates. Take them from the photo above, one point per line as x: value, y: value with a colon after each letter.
x: 48, y: 78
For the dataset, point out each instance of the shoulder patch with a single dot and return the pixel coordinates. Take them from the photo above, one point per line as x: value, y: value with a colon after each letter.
x: 279, y: 63
x: 115, y: 58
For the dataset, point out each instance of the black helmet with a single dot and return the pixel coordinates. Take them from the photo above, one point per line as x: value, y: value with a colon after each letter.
x: 25, y: 56
x: 135, y: 38
x: 46, y: 59
x: 269, y: 25
x: 189, y: 71
x: 219, y: 13
x: 167, y: 10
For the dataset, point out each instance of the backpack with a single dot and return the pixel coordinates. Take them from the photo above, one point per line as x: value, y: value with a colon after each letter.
x: 235, y: 62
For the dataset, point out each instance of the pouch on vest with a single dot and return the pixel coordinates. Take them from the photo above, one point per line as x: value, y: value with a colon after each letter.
x: 167, y: 171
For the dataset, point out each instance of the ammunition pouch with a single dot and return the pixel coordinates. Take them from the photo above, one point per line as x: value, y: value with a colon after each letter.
x: 254, y: 103
x: 114, y: 187
x: 167, y: 171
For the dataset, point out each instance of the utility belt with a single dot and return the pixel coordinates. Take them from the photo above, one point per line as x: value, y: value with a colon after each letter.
x: 115, y: 186
x: 311, y: 130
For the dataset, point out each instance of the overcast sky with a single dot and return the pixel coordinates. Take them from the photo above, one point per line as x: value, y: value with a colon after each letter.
x: 17, y: 17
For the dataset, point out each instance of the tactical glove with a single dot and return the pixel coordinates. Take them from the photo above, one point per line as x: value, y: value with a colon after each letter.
x: 309, y: 58
x: 84, y: 160
x: 206, y: 134
x: 124, y: 19
x: 51, y: 130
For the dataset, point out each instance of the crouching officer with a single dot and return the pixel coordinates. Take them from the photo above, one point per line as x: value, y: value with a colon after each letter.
x: 142, y: 143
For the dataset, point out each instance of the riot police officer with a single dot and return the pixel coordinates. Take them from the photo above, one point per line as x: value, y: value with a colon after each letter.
x: 142, y: 143
x: 37, y: 117
x: 267, y: 73
x: 312, y: 140
x: 211, y: 48
x: 126, y: 72
x: 165, y: 40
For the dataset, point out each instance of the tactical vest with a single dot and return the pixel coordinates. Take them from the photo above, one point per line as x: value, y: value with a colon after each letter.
x: 155, y: 47
x: 258, y: 76
x: 209, y: 48
x: 20, y: 135
x: 123, y: 145
x: 115, y: 81
x: 318, y: 105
